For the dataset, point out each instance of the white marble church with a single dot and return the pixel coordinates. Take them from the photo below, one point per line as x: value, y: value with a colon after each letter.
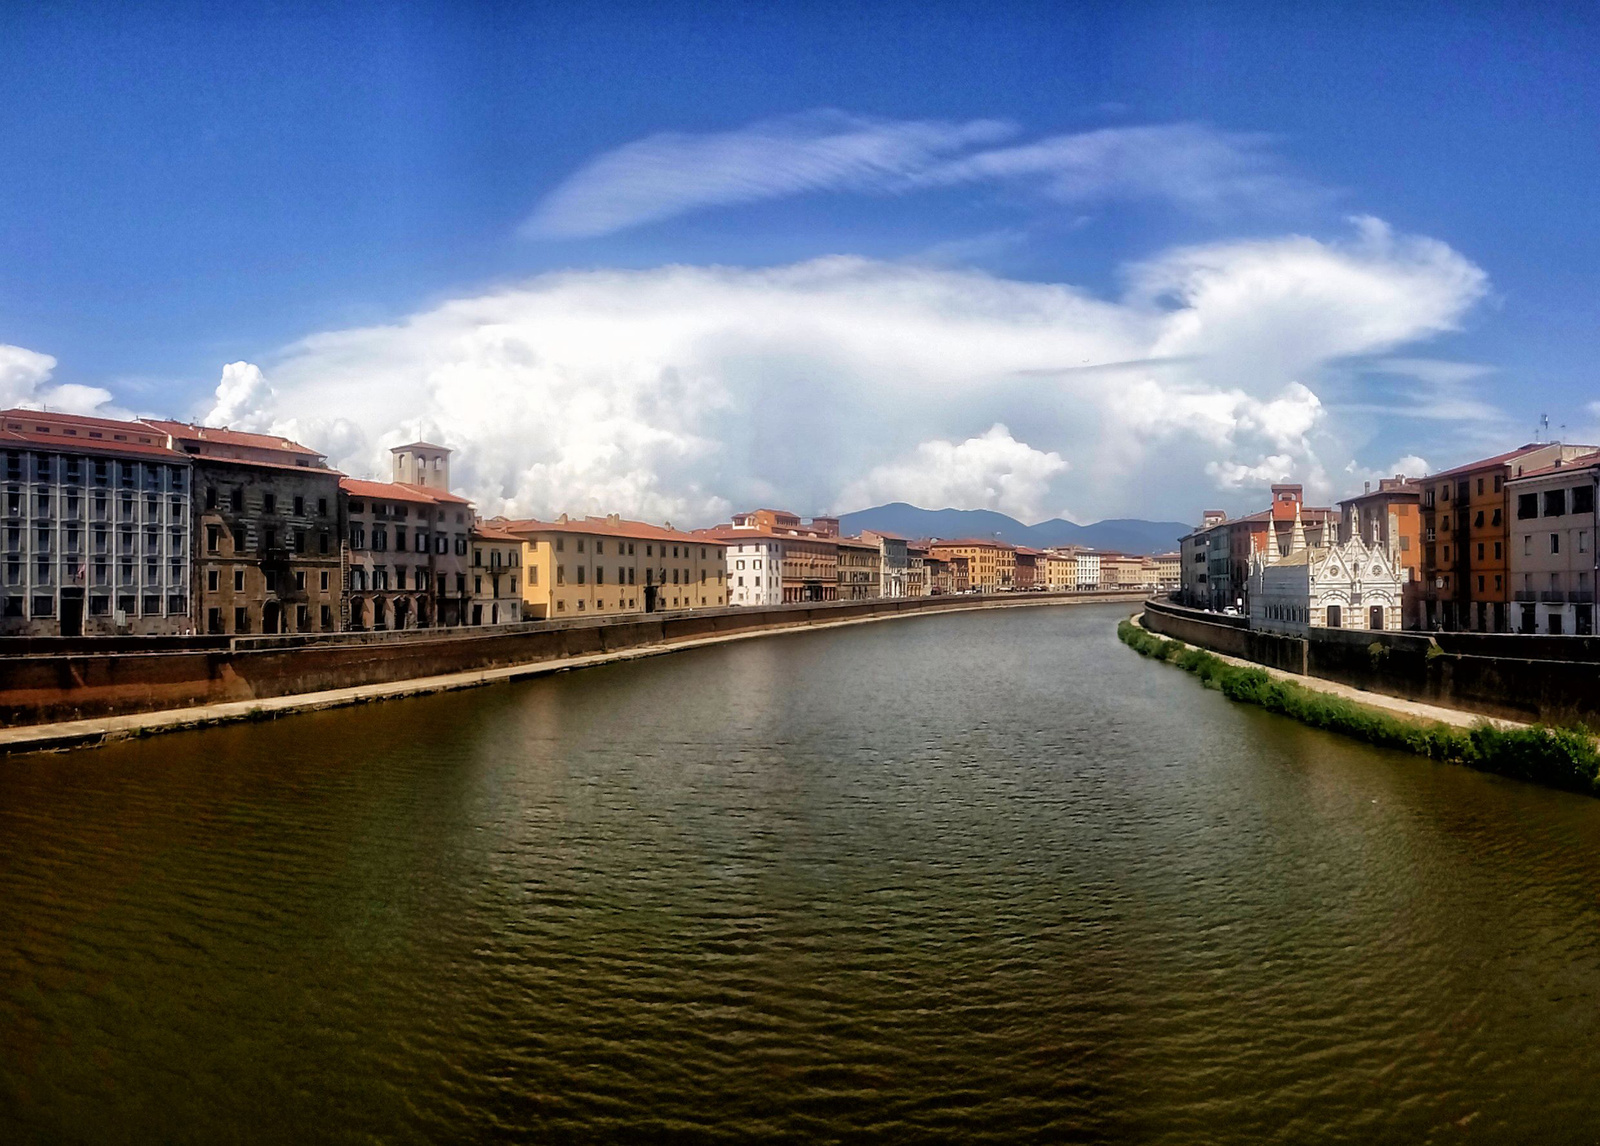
x: 1345, y: 585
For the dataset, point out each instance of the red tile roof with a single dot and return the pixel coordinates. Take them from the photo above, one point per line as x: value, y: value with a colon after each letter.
x: 72, y: 432
x: 606, y: 527
x: 1498, y: 460
x: 1581, y: 462
x: 489, y: 533
x: 222, y: 436
x: 972, y: 542
x: 396, y: 491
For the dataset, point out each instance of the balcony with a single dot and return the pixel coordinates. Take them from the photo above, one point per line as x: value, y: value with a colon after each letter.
x: 1552, y: 597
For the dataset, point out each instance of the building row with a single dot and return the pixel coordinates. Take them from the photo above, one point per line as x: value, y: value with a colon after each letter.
x: 155, y: 527
x: 1503, y: 544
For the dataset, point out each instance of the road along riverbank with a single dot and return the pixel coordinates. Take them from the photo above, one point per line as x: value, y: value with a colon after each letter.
x: 1555, y: 757
x: 32, y: 685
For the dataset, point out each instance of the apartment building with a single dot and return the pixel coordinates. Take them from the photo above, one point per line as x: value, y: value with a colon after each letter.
x: 1088, y: 563
x: 266, y: 534
x: 859, y: 569
x: 991, y: 564
x: 1390, y: 518
x: 1026, y: 573
x: 605, y: 566
x: 808, y: 551
x: 1168, y: 571
x: 1552, y: 566
x: 496, y: 576
x: 96, y: 517
x: 754, y: 568
x: 917, y: 572
x: 1060, y: 570
x: 894, y: 563
x: 1466, y: 535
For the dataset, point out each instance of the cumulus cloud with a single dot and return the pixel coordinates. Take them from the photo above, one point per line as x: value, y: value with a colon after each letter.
x: 1187, y: 164
x: 991, y: 471
x: 25, y: 381
x: 681, y: 392
x: 241, y: 399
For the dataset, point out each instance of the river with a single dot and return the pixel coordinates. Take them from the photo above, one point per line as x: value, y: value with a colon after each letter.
x: 983, y: 877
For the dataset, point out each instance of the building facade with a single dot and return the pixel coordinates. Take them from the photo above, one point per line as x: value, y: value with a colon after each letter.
x: 267, y: 529
x: 496, y: 576
x: 894, y: 563
x: 1466, y: 535
x: 1088, y: 563
x: 1552, y: 565
x: 754, y: 564
x: 1346, y: 585
x: 860, y: 569
x: 97, y: 521
x: 407, y: 556
x: 991, y: 565
x: 605, y: 566
x: 1390, y: 518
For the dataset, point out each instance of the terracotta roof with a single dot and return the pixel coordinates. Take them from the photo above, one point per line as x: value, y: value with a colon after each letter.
x: 1497, y: 460
x: 43, y: 427
x: 1581, y: 462
x: 884, y: 533
x: 422, y: 445
x: 606, y: 527
x: 286, y: 464
x: 222, y: 436
x: 731, y: 533
x: 973, y: 542
x: 392, y: 491
x: 489, y: 533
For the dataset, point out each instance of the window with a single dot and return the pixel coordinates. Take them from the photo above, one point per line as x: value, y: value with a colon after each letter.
x: 238, y: 580
x: 1583, y: 499
x: 561, y: 544
x: 1527, y: 506
x: 211, y: 497
x: 599, y: 548
x: 300, y: 580
x: 580, y: 545
x: 1555, y: 503
x: 1480, y: 583
x: 1498, y: 553
x: 299, y: 505
x: 599, y: 572
x: 327, y: 617
x: 1555, y: 543
x: 272, y: 581
x: 322, y: 507
x: 213, y: 539
x: 269, y: 503
x: 241, y: 620
x: 1478, y: 521
x: 299, y: 541
x: 580, y: 574
x: 213, y: 580
x: 269, y: 539
x: 1480, y: 485
x: 561, y: 574
x: 533, y: 574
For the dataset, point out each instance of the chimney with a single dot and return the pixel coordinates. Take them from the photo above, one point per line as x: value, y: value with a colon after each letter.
x: 1366, y: 487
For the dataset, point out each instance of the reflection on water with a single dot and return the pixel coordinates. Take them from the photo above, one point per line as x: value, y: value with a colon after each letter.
x: 981, y: 876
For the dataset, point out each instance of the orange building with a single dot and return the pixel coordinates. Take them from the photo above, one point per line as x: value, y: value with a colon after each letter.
x: 1466, y: 582
x: 991, y: 565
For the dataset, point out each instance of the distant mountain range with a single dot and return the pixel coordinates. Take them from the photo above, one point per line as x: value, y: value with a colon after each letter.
x: 1119, y: 535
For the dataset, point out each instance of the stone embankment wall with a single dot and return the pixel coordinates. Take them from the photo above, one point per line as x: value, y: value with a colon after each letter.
x: 1555, y: 680
x: 43, y: 680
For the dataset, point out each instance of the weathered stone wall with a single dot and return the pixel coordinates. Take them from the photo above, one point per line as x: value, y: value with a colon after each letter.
x: 44, y: 682
x: 1555, y: 680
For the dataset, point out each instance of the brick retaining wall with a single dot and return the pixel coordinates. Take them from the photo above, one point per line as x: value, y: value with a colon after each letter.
x: 80, y: 678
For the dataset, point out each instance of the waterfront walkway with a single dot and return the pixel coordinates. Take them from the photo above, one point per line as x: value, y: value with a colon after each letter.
x: 1406, y: 709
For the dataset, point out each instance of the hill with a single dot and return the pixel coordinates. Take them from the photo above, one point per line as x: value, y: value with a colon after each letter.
x: 1124, y: 535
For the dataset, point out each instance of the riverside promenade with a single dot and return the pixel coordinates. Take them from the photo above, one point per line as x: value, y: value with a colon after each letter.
x: 403, y: 659
x: 1405, y: 709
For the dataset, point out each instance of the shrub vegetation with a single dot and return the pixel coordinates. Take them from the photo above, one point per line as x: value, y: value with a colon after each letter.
x: 1557, y: 757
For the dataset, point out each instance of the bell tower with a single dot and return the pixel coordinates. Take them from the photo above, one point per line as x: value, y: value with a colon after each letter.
x: 424, y: 464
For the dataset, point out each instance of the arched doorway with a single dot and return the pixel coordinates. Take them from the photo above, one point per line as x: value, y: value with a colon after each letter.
x: 380, y: 618
x: 402, y: 612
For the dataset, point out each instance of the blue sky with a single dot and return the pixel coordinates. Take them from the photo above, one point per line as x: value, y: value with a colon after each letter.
x: 340, y: 203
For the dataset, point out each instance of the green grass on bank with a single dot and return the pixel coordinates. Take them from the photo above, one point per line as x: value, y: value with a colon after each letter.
x: 1556, y: 757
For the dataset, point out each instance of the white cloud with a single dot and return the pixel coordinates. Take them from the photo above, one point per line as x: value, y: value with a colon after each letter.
x: 1191, y: 165
x: 242, y: 396
x: 25, y: 382
x: 673, y: 172
x: 681, y: 392
x: 992, y: 471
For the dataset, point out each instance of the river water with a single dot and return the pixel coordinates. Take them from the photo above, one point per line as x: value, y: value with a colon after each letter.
x: 986, y: 876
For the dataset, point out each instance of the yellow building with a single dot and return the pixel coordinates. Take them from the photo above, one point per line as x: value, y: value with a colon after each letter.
x: 860, y: 567
x: 991, y: 565
x: 1059, y: 570
x: 607, y: 566
x: 1169, y: 567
